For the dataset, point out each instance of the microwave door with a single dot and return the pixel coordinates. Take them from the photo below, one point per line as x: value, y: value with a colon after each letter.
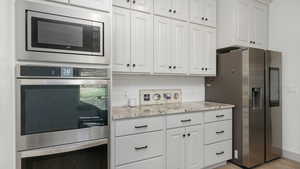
x: 59, y: 34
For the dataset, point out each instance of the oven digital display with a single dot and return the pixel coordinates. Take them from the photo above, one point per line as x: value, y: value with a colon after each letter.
x: 67, y: 72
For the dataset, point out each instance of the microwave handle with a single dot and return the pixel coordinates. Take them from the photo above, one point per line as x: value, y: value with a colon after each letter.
x: 62, y: 148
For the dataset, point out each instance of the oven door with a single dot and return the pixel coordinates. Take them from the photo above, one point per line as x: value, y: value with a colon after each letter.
x: 60, y: 111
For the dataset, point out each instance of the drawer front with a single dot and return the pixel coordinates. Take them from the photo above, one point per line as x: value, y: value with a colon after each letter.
x: 155, y: 163
x: 218, y: 115
x: 183, y: 120
x: 217, y: 153
x: 135, y: 126
x: 218, y: 131
x: 138, y: 147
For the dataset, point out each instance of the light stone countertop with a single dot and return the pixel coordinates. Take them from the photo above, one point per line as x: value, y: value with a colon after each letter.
x: 119, y: 113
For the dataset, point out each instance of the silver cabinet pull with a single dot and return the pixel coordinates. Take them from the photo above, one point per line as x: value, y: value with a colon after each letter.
x: 220, y: 153
x: 187, y: 120
x: 220, y: 132
x: 139, y: 127
x: 141, y: 148
x: 219, y: 116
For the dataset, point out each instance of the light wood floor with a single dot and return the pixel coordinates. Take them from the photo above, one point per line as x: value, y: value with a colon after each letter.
x: 277, y: 164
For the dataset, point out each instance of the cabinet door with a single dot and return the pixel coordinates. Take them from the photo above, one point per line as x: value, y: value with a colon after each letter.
x: 121, y: 40
x: 93, y: 4
x: 259, y: 25
x: 210, y: 50
x: 194, y: 147
x: 175, y: 148
x: 197, y: 11
x: 197, y: 45
x: 163, y: 7
x: 211, y: 13
x: 179, y: 47
x: 142, y: 5
x: 122, y: 3
x: 180, y: 9
x: 141, y: 42
x: 162, y: 45
x: 243, y: 22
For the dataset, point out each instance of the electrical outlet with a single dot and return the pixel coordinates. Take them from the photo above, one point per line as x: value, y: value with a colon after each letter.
x: 236, y: 154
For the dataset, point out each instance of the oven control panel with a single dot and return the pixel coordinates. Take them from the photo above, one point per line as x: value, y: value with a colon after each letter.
x: 160, y: 96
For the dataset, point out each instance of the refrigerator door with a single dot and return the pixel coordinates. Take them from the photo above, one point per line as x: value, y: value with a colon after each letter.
x: 254, y: 109
x: 273, y: 114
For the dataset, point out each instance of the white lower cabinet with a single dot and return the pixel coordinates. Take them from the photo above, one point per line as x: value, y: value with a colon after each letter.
x: 185, y: 148
x: 217, y: 153
x: 182, y: 141
x: 156, y: 163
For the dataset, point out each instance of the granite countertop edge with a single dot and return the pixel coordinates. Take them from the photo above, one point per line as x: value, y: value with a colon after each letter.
x: 121, y: 113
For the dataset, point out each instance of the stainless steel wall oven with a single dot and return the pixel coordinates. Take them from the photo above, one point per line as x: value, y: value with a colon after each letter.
x: 61, y: 105
x: 60, y: 33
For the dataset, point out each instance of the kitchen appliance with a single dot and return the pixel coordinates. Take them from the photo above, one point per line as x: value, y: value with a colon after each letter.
x: 251, y: 80
x: 52, y: 32
x: 61, y: 105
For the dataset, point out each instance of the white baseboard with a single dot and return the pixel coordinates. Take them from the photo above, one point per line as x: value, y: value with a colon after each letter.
x: 217, y: 165
x: 291, y: 156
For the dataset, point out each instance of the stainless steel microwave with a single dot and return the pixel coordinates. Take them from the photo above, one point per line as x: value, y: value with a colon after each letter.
x: 53, y: 32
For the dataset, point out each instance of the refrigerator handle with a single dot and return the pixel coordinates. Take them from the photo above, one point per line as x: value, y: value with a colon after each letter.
x: 257, y: 98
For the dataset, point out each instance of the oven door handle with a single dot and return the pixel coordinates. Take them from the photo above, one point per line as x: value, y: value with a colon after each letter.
x: 62, y: 149
x: 62, y: 82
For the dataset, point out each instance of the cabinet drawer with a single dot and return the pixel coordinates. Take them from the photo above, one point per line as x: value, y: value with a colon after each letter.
x: 218, y: 131
x: 156, y: 163
x: 138, y: 147
x: 217, y: 115
x: 216, y: 153
x: 135, y: 126
x: 183, y: 120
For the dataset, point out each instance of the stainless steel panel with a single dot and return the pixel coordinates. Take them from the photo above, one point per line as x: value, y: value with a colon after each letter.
x: 63, y: 10
x: 62, y: 148
x: 273, y: 111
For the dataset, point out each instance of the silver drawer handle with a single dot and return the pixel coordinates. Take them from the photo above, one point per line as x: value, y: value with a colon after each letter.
x: 219, y: 116
x: 220, y: 153
x: 184, y: 121
x: 141, y: 148
x: 220, y: 132
x: 139, y: 127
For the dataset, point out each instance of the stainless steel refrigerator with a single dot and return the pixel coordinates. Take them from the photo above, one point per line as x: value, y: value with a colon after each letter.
x: 251, y: 80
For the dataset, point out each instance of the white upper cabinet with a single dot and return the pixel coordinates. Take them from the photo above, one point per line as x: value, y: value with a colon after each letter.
x: 260, y: 25
x: 140, y: 5
x: 170, y: 50
x: 242, y: 23
x: 172, y: 8
x: 203, y: 50
x: 141, y: 42
x: 194, y: 147
x: 132, y: 41
x: 93, y: 4
x: 121, y: 40
x: 179, y: 48
x: 204, y: 12
x: 162, y: 45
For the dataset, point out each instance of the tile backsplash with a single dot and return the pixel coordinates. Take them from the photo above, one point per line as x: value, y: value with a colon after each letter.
x: 126, y: 87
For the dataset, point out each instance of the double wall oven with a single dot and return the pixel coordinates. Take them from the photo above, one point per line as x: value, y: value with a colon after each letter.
x: 54, y: 32
x: 61, y: 105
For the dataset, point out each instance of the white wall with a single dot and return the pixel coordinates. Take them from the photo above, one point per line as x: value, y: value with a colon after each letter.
x: 125, y: 86
x: 285, y: 37
x: 6, y: 84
